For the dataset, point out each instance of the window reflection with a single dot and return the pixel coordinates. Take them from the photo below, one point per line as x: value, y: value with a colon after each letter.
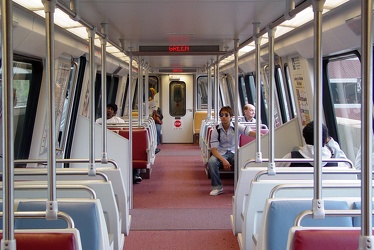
x: 177, y: 92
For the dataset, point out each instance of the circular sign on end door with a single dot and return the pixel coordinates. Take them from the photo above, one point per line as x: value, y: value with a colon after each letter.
x: 177, y: 124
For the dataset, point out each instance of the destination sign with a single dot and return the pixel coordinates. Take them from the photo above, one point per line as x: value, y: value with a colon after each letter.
x: 180, y: 48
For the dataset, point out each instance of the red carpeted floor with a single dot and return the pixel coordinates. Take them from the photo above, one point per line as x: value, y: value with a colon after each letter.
x: 173, y: 209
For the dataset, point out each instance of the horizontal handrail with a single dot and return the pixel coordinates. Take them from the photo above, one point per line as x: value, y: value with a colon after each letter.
x: 311, y: 171
x: 300, y: 160
x: 41, y: 214
x: 280, y: 187
x: 339, y: 213
x: 21, y: 186
x: 44, y: 161
x: 65, y: 171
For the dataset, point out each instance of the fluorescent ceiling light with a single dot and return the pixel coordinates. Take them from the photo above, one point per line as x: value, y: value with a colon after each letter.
x: 112, y: 49
x: 31, y: 4
x: 81, y: 32
x: 330, y: 4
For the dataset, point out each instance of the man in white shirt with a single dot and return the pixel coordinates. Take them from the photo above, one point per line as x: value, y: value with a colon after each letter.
x: 249, y: 113
x: 111, y: 111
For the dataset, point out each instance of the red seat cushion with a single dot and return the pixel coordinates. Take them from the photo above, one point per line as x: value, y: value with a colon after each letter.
x: 44, y: 241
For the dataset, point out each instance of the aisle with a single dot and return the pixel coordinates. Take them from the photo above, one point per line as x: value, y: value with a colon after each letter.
x: 173, y: 209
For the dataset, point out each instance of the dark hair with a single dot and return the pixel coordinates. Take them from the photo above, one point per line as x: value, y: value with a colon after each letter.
x: 113, y: 106
x: 228, y: 109
x: 308, y: 133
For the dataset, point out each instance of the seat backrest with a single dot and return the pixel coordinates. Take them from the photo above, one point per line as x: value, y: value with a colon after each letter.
x: 357, y: 219
x: 244, y: 139
x: 62, y: 239
x: 311, y: 238
x: 85, y: 216
x: 280, y: 215
x: 140, y: 147
x: 197, y: 119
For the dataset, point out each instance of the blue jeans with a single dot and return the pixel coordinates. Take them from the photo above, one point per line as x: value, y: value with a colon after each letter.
x: 214, y: 165
x: 158, y: 128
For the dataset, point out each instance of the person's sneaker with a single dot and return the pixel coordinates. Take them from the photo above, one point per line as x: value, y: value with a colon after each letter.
x: 157, y: 150
x: 216, y: 191
x: 137, y: 179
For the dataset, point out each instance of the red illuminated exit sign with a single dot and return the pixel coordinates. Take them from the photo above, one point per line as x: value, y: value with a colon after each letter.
x: 181, y: 49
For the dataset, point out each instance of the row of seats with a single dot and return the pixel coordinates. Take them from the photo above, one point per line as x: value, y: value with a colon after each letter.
x: 255, y: 232
x: 144, y: 143
x: 101, y: 221
x: 248, y: 183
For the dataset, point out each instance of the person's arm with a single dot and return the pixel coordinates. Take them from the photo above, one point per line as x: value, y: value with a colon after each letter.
x: 247, y: 130
x: 336, y: 151
x: 225, y: 163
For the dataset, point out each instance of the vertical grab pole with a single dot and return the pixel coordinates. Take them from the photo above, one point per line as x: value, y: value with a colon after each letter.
x: 216, y: 90
x: 209, y: 82
x: 146, y: 92
x: 51, y: 206
x: 318, y: 204
x: 140, y: 93
x: 256, y: 30
x: 91, y: 38
x: 8, y: 241
x: 366, y: 238
x: 236, y: 75
x: 104, y: 30
x: 271, y: 164
x: 129, y: 102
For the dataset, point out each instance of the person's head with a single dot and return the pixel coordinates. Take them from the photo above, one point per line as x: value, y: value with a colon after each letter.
x: 225, y: 114
x: 249, y: 111
x: 111, y: 110
x: 151, y: 94
x: 308, y: 133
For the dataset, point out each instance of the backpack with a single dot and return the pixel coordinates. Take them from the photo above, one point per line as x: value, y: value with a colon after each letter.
x: 219, y: 132
x: 159, y: 113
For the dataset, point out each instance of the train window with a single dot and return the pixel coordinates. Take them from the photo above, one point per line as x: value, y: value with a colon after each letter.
x: 202, y: 92
x: 177, y: 98
x: 124, y: 101
x: 342, y: 101
x: 64, y: 113
x: 277, y: 110
x: 227, y: 88
x: 26, y: 82
x: 290, y: 96
x: 284, y: 105
x: 250, y: 87
x: 242, y: 93
x: 111, y: 91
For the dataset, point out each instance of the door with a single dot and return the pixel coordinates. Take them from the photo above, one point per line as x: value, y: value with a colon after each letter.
x: 177, y: 106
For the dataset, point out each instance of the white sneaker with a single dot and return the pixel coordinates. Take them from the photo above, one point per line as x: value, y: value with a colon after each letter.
x: 216, y: 191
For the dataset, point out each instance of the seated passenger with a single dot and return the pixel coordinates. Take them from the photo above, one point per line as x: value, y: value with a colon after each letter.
x: 222, y: 141
x: 111, y: 112
x: 249, y: 113
x: 330, y: 149
x: 358, y: 157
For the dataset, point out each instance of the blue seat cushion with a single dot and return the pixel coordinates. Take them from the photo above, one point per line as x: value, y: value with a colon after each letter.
x: 282, y: 215
x: 357, y: 219
x: 84, y: 214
